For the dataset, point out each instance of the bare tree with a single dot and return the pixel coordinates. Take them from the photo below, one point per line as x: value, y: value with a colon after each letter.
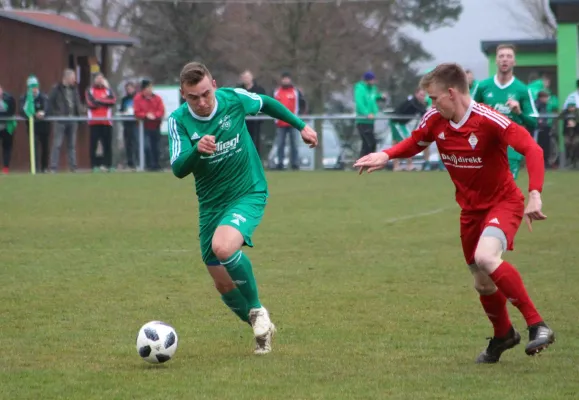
x: 174, y: 34
x: 329, y: 45
x: 533, y: 17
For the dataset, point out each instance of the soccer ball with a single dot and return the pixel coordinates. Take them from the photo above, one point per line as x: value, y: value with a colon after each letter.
x: 156, y: 342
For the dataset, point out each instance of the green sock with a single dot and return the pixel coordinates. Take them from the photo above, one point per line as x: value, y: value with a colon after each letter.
x: 241, y: 272
x: 236, y: 303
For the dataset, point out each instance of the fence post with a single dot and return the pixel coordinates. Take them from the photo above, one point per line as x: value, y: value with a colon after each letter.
x: 32, y: 145
x: 141, y: 145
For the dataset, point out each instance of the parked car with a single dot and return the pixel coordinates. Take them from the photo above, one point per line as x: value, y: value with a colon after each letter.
x: 332, y: 148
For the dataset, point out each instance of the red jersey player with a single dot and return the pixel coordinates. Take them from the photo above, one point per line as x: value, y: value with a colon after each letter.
x: 472, y: 140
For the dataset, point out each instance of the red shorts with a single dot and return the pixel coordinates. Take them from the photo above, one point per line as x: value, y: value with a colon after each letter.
x: 506, y: 216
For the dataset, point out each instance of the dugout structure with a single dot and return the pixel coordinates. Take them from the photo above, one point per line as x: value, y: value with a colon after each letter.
x: 44, y: 44
x: 558, y: 57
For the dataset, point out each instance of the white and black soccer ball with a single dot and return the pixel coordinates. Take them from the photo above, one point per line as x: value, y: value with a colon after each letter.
x: 156, y: 342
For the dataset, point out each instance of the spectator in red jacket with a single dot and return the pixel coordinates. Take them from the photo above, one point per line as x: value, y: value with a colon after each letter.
x: 100, y: 100
x: 149, y: 108
x: 291, y: 97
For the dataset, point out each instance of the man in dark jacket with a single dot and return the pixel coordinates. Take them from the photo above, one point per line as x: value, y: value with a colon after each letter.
x: 130, y: 128
x: 41, y: 127
x: 413, y: 106
x: 64, y: 101
x: 254, y: 127
x: 7, y: 127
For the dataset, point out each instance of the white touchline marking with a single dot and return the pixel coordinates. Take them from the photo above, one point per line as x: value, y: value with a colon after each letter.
x: 418, y: 215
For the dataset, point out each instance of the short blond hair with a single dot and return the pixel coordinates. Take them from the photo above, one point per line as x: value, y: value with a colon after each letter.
x: 448, y: 75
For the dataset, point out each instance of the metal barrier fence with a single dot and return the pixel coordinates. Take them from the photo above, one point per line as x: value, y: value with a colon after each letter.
x: 556, y: 133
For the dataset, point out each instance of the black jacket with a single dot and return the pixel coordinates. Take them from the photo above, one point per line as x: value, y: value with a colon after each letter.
x: 57, y: 105
x: 410, y: 107
x: 40, y: 104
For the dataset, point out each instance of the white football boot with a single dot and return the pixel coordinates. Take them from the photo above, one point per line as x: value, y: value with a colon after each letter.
x: 263, y: 330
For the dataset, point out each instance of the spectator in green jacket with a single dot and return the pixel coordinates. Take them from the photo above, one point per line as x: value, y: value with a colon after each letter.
x: 366, y: 97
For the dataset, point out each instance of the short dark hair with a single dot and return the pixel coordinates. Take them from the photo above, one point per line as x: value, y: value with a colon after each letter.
x: 506, y: 46
x: 193, y: 73
x: 448, y: 75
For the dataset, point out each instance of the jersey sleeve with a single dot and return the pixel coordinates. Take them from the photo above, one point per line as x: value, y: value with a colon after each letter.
x: 251, y: 102
x: 529, y: 114
x: 514, y: 135
x: 182, y: 152
x: 420, y: 138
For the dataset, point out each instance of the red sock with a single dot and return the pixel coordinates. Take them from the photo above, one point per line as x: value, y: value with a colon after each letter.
x: 495, y: 305
x: 509, y: 282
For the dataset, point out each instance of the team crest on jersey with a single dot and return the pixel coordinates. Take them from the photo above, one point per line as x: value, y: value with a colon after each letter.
x: 225, y: 123
x: 473, y: 140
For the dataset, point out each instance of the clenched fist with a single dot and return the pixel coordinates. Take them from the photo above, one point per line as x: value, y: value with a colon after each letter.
x: 206, y: 145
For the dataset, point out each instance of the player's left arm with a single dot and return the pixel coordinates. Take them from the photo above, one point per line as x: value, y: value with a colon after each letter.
x: 519, y: 138
x: 254, y: 103
x: 183, y: 154
x: 529, y: 114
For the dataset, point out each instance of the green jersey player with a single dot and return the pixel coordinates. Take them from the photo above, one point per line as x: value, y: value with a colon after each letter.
x: 209, y: 139
x: 509, y: 96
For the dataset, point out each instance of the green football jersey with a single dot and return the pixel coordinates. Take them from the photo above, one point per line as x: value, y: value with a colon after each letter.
x: 492, y: 93
x: 235, y: 168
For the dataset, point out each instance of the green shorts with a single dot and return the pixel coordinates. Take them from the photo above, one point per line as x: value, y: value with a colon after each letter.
x: 399, y: 131
x: 244, y: 215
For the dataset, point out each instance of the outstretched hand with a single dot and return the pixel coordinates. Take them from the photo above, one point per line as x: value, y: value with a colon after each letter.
x: 533, y: 210
x: 309, y: 136
x: 372, y: 162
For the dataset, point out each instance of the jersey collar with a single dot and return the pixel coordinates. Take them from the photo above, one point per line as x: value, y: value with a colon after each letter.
x: 465, y: 118
x: 208, y: 118
x: 506, y: 85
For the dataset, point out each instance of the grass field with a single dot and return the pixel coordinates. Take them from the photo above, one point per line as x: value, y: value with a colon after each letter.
x: 363, y: 276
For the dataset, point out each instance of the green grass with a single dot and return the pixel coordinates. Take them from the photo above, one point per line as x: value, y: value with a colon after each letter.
x: 371, y: 301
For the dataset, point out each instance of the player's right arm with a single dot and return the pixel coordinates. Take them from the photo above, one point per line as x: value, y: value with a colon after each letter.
x: 183, y: 153
x: 420, y: 139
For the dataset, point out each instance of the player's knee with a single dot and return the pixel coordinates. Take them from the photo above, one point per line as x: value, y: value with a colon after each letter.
x: 488, y: 252
x: 223, y: 249
x: 486, y: 260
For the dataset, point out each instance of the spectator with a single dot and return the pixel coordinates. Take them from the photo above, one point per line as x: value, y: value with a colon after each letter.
x: 130, y: 128
x: 366, y: 97
x: 570, y: 117
x: 149, y: 108
x: 41, y: 127
x: 7, y: 127
x: 293, y: 99
x: 100, y: 100
x: 64, y: 101
x: 544, y: 125
x: 254, y: 127
x: 414, y: 106
x: 471, y: 81
x: 573, y: 97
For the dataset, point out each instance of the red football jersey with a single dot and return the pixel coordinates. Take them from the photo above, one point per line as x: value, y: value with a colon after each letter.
x: 474, y: 152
